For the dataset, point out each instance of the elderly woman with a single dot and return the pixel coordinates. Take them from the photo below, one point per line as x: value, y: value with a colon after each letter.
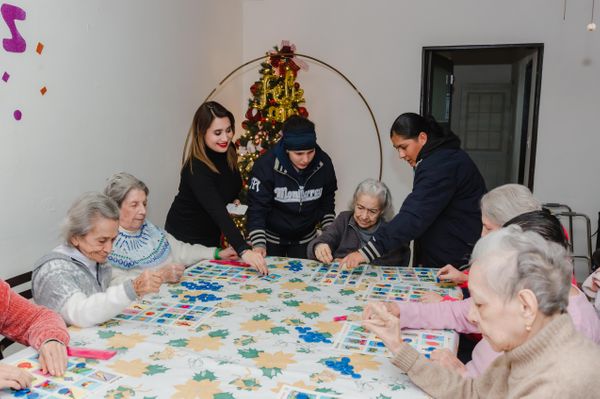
x: 498, y: 206
x: 140, y: 245
x: 74, y: 278
x: 454, y: 315
x: 371, y: 206
x: 591, y: 285
x: 520, y: 286
x: 30, y: 324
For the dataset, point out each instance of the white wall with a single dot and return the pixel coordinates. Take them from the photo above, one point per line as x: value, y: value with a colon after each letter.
x: 124, y: 79
x: 378, y: 45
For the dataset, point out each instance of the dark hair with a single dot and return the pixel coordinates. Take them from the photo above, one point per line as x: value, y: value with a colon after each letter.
x: 409, y: 125
x: 297, y: 122
x: 543, y: 223
x: 194, y: 143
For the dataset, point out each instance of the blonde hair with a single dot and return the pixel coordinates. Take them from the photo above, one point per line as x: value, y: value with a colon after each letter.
x: 195, y: 147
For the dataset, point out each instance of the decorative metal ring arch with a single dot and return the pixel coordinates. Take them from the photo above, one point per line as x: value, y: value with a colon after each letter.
x: 322, y: 63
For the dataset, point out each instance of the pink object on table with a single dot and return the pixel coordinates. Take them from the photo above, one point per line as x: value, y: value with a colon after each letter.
x: 230, y: 262
x: 90, y: 353
x: 340, y: 318
x: 449, y: 298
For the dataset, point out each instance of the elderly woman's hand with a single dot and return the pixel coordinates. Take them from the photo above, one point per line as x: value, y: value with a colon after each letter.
x: 391, y: 307
x: 171, y: 273
x: 450, y: 273
x: 352, y: 260
x: 147, y: 282
x: 228, y: 254
x: 323, y: 253
x: 385, y: 325
x: 256, y: 261
x: 13, y: 377
x: 431, y: 297
x: 53, y: 358
x: 449, y: 360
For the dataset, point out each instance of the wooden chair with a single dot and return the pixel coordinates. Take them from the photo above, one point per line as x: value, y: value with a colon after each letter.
x: 14, y: 283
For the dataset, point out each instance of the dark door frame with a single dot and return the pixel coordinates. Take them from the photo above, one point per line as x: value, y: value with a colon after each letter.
x: 425, y: 87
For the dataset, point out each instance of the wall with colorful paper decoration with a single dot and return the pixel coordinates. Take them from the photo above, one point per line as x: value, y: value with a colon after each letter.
x: 89, y: 88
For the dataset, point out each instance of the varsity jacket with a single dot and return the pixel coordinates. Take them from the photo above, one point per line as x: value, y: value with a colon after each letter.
x: 285, y: 205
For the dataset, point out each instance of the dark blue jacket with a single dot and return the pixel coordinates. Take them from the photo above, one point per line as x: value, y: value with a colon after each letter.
x: 442, y: 213
x: 285, y: 205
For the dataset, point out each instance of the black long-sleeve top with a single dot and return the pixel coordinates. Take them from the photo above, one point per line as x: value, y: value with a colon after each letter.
x: 198, y: 213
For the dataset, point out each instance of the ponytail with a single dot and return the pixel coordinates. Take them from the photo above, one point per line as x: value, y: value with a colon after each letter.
x: 409, y: 125
x: 433, y: 127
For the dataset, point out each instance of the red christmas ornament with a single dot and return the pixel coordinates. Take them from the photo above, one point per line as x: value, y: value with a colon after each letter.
x: 253, y: 115
x: 293, y: 66
x: 275, y: 59
x: 303, y: 112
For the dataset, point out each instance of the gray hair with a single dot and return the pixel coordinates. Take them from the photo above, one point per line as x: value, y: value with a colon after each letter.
x: 505, y: 202
x: 84, y: 212
x: 525, y: 260
x: 120, y: 184
x: 379, y: 190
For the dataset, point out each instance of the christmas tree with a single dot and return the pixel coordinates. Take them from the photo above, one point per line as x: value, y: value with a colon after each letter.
x: 275, y: 97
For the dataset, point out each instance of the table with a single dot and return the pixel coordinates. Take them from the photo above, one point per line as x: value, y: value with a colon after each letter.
x: 263, y: 334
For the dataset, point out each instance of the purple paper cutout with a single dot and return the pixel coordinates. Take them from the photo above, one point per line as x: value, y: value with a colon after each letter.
x: 10, y: 13
x: 5, y: 76
x: 18, y: 115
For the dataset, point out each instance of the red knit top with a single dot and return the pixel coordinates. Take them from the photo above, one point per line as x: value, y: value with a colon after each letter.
x: 28, y: 323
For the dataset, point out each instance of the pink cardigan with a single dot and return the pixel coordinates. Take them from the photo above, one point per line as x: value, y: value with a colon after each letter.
x: 27, y: 323
x: 453, y: 315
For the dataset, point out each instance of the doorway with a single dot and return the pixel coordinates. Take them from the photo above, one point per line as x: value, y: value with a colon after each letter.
x: 489, y: 97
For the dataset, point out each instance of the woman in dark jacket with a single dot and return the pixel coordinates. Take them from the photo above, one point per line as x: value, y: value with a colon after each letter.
x: 442, y: 212
x: 209, y: 181
x: 371, y: 207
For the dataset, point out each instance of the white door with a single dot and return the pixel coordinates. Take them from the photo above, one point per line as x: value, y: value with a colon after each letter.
x: 486, y: 130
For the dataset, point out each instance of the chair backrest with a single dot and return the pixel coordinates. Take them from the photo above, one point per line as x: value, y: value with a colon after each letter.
x: 565, y: 211
x: 16, y: 282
